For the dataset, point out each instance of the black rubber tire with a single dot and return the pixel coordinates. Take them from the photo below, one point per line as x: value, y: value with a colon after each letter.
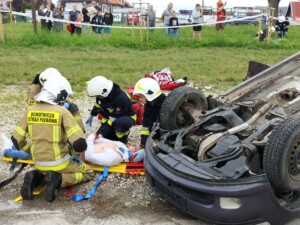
x: 171, y: 109
x: 281, y: 160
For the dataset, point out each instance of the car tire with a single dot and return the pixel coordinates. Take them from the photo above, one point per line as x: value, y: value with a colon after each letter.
x: 281, y: 155
x: 172, y: 116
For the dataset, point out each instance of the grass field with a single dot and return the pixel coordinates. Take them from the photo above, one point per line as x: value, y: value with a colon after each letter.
x: 221, y: 63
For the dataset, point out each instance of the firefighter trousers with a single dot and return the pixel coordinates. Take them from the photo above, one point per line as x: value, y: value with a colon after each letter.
x: 75, y: 173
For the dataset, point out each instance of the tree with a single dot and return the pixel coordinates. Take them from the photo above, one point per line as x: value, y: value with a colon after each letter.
x: 274, y: 4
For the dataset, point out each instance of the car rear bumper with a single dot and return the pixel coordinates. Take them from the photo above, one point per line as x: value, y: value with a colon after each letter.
x: 249, y: 203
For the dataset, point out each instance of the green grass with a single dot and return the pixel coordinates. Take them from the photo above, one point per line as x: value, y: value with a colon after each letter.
x: 221, y: 63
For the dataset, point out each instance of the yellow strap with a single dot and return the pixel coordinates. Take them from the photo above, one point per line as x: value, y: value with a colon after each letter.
x: 35, y: 192
x: 109, y: 122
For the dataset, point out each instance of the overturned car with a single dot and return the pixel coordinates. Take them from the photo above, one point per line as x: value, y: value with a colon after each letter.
x: 234, y: 159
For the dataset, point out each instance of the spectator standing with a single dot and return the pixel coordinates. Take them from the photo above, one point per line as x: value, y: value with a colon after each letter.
x: 220, y: 5
x: 196, y: 17
x: 78, y: 24
x: 167, y: 14
x: 86, y: 17
x: 52, y: 6
x: 92, y: 10
x: 108, y: 21
x: 173, y: 24
x: 73, y: 16
x: 58, y: 14
x: 48, y: 14
x: 152, y: 18
x: 97, y: 7
x: 42, y: 13
x: 221, y: 15
x: 97, y: 20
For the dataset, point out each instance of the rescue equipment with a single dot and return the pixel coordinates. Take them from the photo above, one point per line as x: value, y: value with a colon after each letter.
x: 125, y: 168
x: 101, y: 177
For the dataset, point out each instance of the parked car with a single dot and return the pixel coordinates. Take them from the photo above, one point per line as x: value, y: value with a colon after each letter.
x: 136, y: 18
x: 184, y: 19
x: 235, y: 158
x: 252, y: 21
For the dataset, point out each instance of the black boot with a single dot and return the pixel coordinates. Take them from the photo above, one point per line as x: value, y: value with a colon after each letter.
x: 53, y: 181
x: 32, y: 179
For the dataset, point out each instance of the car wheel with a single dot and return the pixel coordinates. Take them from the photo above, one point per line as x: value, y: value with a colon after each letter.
x: 281, y: 158
x: 174, y: 112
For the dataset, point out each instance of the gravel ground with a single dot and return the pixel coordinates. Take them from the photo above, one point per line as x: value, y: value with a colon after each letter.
x: 121, y: 199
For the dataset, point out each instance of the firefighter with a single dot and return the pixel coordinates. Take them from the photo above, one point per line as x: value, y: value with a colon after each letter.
x: 115, y: 109
x: 282, y: 27
x: 149, y: 93
x: 40, y: 80
x: 52, y: 129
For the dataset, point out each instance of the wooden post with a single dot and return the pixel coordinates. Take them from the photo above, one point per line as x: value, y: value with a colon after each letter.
x: 270, y: 24
x: 34, y: 23
x: 11, y: 21
x: 141, y: 22
x: 1, y: 28
x: 259, y: 26
x: 148, y: 12
x: 133, y: 21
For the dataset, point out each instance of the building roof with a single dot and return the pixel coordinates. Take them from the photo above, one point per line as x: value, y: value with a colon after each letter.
x: 127, y: 4
x: 112, y: 2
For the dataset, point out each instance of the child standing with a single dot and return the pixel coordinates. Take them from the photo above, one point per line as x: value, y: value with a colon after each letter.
x: 108, y: 20
x: 97, y: 20
x: 78, y: 24
x: 173, y: 23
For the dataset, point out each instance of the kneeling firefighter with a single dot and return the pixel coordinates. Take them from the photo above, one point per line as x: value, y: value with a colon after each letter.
x: 52, y: 129
x: 39, y: 82
x: 115, y: 108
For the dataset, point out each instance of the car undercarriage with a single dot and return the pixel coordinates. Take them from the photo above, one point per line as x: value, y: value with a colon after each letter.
x: 249, y: 134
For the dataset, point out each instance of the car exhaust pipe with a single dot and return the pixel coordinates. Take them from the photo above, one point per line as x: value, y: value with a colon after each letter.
x: 213, y: 139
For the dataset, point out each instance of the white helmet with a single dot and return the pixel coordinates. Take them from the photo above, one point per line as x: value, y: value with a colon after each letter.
x: 58, y: 87
x: 47, y: 74
x: 272, y: 29
x: 99, y: 86
x: 147, y: 87
x: 66, y: 84
x: 281, y: 19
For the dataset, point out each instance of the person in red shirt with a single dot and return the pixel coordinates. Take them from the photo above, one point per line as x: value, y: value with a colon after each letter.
x: 221, y: 15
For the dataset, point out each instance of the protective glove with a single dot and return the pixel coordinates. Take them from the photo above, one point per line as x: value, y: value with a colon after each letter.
x: 139, y: 156
x: 89, y: 120
x: 66, y: 105
x: 75, y: 158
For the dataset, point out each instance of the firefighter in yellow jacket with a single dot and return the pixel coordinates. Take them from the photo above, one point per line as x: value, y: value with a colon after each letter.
x: 51, y: 129
x: 38, y: 83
